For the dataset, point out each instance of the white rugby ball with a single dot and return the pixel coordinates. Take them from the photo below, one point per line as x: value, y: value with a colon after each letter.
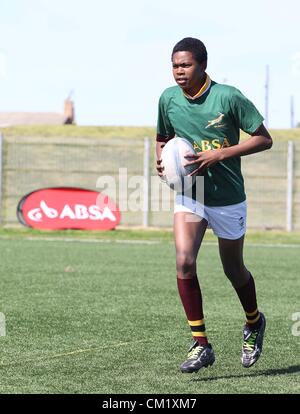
x: 172, y: 159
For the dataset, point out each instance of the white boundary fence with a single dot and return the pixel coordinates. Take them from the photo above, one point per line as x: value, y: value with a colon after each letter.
x: 272, y: 178
x: 290, y: 182
x: 147, y: 156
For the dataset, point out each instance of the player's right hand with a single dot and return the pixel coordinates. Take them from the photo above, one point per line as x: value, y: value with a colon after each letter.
x: 159, y: 168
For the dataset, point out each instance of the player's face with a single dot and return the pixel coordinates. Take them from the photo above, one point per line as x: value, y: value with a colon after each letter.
x: 187, y: 72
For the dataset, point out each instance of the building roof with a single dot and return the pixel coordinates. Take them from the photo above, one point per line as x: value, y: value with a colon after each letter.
x: 31, y: 118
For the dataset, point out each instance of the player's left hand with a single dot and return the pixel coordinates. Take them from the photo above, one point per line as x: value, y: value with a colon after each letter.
x: 205, y: 160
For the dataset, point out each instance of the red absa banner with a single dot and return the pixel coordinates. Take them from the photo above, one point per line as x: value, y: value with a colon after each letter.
x: 68, y: 208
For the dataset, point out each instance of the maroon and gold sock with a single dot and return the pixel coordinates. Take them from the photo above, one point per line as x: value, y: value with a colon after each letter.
x: 253, y: 319
x: 190, y: 294
x: 247, y: 296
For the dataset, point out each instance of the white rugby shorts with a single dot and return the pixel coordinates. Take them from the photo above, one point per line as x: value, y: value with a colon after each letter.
x: 227, y: 222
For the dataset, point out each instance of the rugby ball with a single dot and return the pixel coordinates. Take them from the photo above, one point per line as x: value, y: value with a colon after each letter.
x: 173, y: 161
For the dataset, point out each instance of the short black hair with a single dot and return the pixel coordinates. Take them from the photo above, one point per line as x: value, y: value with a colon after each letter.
x: 195, y: 46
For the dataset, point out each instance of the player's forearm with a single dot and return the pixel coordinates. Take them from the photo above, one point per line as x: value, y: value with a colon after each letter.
x: 250, y: 146
x: 260, y: 140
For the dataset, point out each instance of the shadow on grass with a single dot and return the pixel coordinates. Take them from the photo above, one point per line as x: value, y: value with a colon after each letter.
x: 269, y: 372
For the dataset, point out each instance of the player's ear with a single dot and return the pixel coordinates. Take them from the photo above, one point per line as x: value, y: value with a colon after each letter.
x: 203, y: 65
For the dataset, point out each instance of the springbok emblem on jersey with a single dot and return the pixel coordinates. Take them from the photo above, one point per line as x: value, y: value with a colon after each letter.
x: 215, y: 121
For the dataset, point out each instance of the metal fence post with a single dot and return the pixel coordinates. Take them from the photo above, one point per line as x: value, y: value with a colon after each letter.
x: 290, y: 179
x: 146, y: 182
x: 1, y: 175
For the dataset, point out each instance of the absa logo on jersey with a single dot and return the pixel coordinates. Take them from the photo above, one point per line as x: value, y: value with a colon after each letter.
x: 68, y: 208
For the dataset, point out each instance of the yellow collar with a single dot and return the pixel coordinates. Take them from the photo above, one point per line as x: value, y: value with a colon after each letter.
x: 203, y: 89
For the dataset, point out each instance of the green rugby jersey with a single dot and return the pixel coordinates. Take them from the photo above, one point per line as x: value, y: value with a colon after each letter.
x: 211, y: 121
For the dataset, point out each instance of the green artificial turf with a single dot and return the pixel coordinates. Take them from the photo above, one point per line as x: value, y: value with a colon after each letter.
x: 105, y: 317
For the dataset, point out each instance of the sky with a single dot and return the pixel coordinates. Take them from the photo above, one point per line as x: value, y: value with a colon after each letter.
x: 114, y: 56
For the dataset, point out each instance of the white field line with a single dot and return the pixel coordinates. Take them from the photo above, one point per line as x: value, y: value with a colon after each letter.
x: 75, y: 352
x: 75, y: 240
x: 111, y: 241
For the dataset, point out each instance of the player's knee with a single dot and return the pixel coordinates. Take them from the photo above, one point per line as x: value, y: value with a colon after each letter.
x: 185, y: 265
x: 229, y: 273
x: 236, y: 274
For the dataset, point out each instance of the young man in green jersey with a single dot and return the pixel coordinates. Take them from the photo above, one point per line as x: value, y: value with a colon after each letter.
x: 210, y: 115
